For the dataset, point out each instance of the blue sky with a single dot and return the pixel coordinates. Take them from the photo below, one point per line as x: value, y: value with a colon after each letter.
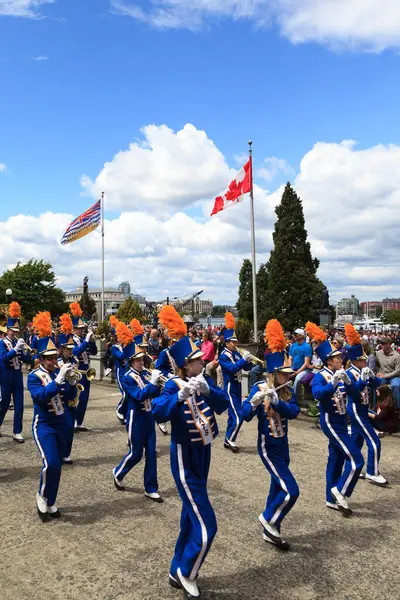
x: 103, y: 76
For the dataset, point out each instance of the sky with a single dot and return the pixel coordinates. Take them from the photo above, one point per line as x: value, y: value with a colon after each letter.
x: 153, y: 102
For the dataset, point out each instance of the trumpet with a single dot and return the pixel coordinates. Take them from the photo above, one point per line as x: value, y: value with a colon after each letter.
x: 163, y: 380
x: 75, y: 401
x: 98, y: 336
x: 90, y: 374
x: 253, y: 359
x: 74, y: 376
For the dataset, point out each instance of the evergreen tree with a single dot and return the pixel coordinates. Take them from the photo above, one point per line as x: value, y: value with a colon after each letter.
x: 245, y: 299
x: 294, y: 290
x: 129, y: 310
x: 262, y: 291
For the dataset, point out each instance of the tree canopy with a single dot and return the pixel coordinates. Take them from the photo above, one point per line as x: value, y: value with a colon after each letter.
x: 33, y: 285
x: 391, y: 317
x: 129, y: 310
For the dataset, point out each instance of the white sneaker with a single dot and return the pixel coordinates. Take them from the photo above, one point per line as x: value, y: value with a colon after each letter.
x: 41, y: 503
x: 332, y: 505
x: 107, y: 372
x: 163, y: 428
x: 18, y: 437
x: 270, y: 528
x: 68, y: 460
x: 154, y: 496
x: 52, y: 509
x: 340, y: 499
x: 188, y: 584
x: 377, y: 479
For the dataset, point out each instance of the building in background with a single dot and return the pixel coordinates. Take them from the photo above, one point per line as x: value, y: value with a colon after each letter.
x: 125, y: 288
x: 372, y: 309
x: 113, y: 298
x: 391, y: 304
x: 203, y: 306
x: 348, y: 306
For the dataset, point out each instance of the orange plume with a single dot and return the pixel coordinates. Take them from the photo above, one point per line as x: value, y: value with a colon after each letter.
x: 14, y: 310
x: 275, y: 336
x: 170, y: 319
x: 315, y: 332
x: 124, y: 334
x: 136, y: 327
x: 229, y: 320
x: 113, y: 321
x: 352, y: 335
x: 42, y: 324
x: 75, y: 309
x: 66, y: 326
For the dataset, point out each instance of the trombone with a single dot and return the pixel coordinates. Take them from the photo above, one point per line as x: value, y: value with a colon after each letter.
x: 254, y: 359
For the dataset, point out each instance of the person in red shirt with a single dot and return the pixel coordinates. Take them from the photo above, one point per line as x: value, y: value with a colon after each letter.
x: 207, y: 348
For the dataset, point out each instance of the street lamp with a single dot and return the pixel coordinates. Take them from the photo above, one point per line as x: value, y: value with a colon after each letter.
x: 8, y: 295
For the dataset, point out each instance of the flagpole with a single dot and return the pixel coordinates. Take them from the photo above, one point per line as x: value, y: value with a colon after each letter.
x: 102, y: 256
x: 253, y: 247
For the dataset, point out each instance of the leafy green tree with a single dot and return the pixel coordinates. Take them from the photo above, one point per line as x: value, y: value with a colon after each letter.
x: 245, y: 299
x: 33, y: 285
x: 219, y: 310
x: 262, y: 291
x: 391, y: 317
x: 129, y: 310
x: 243, y: 330
x: 294, y: 289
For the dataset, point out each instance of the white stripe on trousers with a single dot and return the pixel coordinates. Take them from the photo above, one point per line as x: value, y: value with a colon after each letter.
x: 234, y: 410
x: 128, y: 456
x: 204, y: 536
x: 282, y: 483
x: 347, y: 451
x: 42, y: 454
x: 371, y: 439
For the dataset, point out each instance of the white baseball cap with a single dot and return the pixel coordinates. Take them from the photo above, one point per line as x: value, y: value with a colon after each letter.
x: 300, y: 332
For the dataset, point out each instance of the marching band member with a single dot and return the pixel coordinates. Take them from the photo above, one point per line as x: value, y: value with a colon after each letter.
x: 117, y: 352
x: 66, y: 346
x: 12, y: 355
x: 140, y: 387
x: 358, y: 398
x: 232, y: 363
x: 330, y: 387
x: 273, y: 408
x: 50, y: 392
x: 83, y: 349
x: 189, y: 402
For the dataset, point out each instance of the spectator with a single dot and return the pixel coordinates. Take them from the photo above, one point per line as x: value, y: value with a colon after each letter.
x: 338, y: 344
x: 154, y: 344
x: 300, y: 354
x: 388, y: 366
x: 385, y: 418
x: 207, y: 348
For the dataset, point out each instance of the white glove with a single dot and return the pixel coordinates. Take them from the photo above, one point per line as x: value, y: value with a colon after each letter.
x: 371, y: 374
x: 195, y: 384
x: 19, y: 345
x: 345, y: 378
x: 336, y: 379
x: 185, y: 392
x: 155, y: 376
x: 366, y: 374
x: 203, y: 387
x: 89, y: 336
x: 257, y: 399
x: 273, y: 397
x: 247, y: 356
x: 63, y: 373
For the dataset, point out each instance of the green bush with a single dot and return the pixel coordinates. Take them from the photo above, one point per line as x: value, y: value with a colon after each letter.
x: 243, y: 330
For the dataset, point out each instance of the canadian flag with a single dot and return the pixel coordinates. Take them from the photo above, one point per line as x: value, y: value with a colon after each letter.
x: 236, y: 190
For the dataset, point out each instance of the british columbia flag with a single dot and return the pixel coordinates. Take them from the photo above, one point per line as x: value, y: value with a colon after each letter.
x: 84, y: 224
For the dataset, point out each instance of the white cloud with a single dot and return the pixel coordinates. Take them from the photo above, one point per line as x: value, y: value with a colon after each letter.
x: 273, y: 167
x: 165, y: 171
x: 350, y: 196
x: 3, y: 168
x: 367, y: 24
x: 22, y: 8
x: 40, y: 58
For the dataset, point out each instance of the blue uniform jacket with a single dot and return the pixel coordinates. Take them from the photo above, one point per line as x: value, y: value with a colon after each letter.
x: 272, y: 422
x: 48, y: 397
x: 82, y: 351
x: 231, y: 363
x: 119, y: 359
x: 139, y: 391
x: 359, y: 392
x: 167, y: 407
x: 331, y: 401
x: 164, y: 363
x: 11, y: 361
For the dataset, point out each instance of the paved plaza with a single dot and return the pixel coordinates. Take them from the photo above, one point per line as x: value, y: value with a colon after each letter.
x: 114, y: 545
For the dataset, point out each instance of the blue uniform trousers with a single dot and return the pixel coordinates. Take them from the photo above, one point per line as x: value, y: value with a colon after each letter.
x: 362, y: 429
x: 235, y: 420
x: 83, y: 400
x: 51, y: 441
x: 141, y: 437
x: 122, y: 406
x: 12, y: 385
x: 342, y: 451
x: 190, y: 466
x: 70, y: 415
x: 284, y: 491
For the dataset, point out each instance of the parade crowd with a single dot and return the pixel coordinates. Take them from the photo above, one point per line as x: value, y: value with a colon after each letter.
x: 179, y: 380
